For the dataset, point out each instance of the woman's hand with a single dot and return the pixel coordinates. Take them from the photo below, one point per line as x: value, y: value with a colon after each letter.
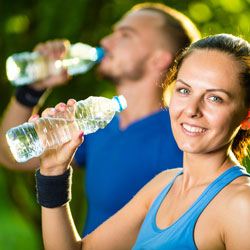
x: 56, y: 161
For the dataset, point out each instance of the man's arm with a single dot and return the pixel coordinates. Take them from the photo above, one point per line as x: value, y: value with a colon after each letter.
x: 14, y: 115
x: 18, y: 113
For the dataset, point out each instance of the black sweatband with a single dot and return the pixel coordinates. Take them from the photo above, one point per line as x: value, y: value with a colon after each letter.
x: 53, y: 191
x: 28, y: 96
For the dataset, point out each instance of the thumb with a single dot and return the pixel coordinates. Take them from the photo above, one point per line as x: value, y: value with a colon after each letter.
x: 77, y: 138
x: 80, y: 137
x: 69, y: 148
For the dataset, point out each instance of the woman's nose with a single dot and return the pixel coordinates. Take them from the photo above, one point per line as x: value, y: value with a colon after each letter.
x: 194, y: 108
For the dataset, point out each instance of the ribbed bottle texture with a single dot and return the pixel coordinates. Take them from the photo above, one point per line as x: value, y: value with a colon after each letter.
x: 28, y: 67
x: 31, y: 139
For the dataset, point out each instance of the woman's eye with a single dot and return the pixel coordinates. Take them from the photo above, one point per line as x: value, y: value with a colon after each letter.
x: 215, y: 99
x: 183, y: 91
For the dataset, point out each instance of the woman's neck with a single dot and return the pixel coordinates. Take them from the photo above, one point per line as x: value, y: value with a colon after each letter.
x: 202, y: 169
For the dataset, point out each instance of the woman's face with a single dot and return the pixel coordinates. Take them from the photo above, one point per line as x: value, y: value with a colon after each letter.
x: 207, y: 104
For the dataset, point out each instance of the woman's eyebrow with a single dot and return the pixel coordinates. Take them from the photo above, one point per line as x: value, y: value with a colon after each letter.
x: 180, y: 80
x: 208, y: 90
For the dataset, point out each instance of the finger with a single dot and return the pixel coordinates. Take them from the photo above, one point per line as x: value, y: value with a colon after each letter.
x: 71, y: 102
x: 46, y: 49
x: 51, y: 112
x: 33, y: 118
x: 53, y: 49
x: 57, y: 48
x: 61, y: 110
x: 61, y: 48
x: 70, y: 109
x: 49, y: 50
x: 80, y: 137
x: 61, y: 106
x: 39, y: 47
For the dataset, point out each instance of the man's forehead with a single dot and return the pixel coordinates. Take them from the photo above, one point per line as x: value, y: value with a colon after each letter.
x: 139, y: 18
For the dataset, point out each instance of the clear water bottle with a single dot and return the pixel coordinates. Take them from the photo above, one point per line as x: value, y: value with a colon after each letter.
x: 28, y: 67
x: 32, y: 139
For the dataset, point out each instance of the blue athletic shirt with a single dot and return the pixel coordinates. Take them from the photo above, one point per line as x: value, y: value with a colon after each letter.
x: 179, y: 235
x: 120, y: 162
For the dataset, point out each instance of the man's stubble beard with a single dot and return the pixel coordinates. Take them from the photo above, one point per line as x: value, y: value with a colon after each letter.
x: 135, y: 74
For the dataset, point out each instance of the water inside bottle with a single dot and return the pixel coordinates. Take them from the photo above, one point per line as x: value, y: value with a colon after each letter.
x: 24, y: 142
x: 25, y: 68
x: 53, y: 132
x: 31, y: 140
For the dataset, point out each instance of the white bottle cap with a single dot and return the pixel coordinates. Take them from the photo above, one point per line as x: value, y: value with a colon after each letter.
x: 121, y: 101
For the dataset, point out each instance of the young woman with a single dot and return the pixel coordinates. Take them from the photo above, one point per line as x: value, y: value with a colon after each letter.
x: 205, y: 205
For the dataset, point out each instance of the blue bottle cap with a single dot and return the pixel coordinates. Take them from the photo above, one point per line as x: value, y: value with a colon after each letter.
x: 121, y: 101
x: 100, y: 53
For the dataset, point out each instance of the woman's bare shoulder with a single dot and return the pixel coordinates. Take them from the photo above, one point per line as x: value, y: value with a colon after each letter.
x: 158, y: 183
x: 234, y: 212
x: 239, y: 191
x: 236, y: 198
x: 163, y: 178
x: 168, y: 174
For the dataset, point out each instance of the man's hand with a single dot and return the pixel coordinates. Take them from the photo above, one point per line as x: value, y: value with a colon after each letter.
x: 52, y: 50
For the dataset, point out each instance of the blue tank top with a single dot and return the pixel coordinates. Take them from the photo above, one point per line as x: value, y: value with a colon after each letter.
x: 179, y: 235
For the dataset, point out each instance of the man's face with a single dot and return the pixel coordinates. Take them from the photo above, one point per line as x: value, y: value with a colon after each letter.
x: 130, y: 45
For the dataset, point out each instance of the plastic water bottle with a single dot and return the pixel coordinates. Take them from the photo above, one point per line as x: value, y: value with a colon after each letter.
x: 32, y: 139
x: 28, y: 67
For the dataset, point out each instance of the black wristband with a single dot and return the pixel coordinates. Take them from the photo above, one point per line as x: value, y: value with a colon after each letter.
x: 53, y: 191
x: 28, y: 96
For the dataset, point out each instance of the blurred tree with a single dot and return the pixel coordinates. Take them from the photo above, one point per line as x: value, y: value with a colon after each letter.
x: 24, y: 23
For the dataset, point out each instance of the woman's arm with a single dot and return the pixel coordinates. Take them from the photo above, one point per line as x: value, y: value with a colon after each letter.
x: 118, y: 232
x: 58, y: 228
x: 59, y: 232
x: 236, y: 219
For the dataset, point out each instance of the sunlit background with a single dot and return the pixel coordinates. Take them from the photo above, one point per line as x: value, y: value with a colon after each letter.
x: 26, y: 23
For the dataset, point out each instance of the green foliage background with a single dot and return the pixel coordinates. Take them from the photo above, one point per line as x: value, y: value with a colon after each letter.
x: 24, y: 23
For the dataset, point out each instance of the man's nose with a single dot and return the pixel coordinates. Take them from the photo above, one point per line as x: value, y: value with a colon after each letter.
x: 108, y: 41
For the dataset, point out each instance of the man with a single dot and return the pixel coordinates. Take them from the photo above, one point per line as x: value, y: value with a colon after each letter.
x: 138, y: 144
